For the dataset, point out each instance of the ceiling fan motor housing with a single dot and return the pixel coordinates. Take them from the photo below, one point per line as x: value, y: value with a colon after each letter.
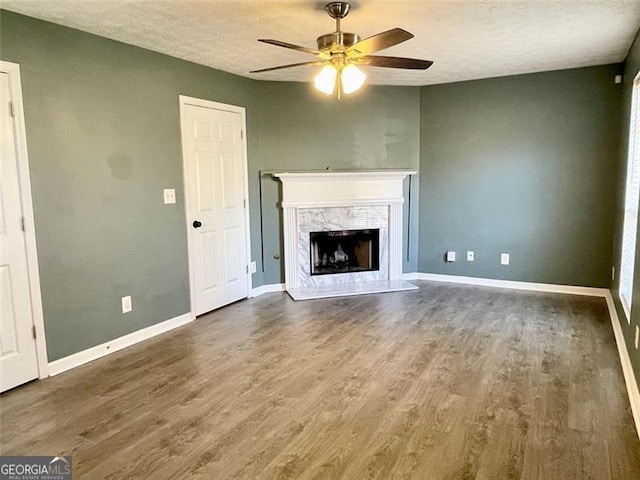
x: 334, y: 39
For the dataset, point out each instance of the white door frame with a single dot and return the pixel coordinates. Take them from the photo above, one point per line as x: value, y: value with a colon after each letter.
x: 184, y: 101
x: 24, y: 180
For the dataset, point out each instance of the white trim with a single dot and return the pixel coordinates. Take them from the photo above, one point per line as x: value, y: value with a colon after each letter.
x: 13, y: 70
x: 490, y: 282
x: 383, y: 175
x: 269, y: 288
x: 629, y: 226
x: 75, y: 360
x: 411, y: 276
x: 339, y: 202
x: 345, y: 188
x: 625, y: 307
x: 394, y: 246
x: 198, y: 102
x: 625, y: 360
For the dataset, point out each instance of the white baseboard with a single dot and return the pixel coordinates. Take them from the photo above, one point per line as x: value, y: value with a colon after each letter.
x: 270, y: 288
x: 411, y: 276
x: 484, y: 282
x: 490, y: 282
x: 75, y: 360
x: 625, y: 360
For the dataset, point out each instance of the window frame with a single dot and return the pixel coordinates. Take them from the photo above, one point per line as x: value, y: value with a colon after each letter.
x: 631, y: 204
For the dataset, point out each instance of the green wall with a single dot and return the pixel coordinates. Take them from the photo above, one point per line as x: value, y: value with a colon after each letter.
x: 298, y: 129
x: 525, y: 165
x: 631, y: 69
x: 103, y: 134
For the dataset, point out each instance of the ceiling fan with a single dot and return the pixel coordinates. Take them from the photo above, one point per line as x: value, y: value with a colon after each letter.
x: 340, y: 53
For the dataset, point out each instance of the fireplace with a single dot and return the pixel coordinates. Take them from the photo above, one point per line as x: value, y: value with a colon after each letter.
x: 342, y: 233
x: 344, y: 251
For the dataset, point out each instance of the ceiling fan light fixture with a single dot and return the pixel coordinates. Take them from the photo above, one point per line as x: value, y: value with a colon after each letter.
x: 325, y: 81
x: 352, y: 78
x: 339, y: 52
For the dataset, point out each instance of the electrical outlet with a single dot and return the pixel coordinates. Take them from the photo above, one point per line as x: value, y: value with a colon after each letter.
x: 637, y: 336
x: 451, y: 256
x: 470, y: 256
x: 169, y: 196
x: 504, y: 259
x: 253, y: 267
x: 126, y: 304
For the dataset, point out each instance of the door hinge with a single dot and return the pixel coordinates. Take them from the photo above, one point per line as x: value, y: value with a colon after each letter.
x: 241, y: 134
x: 33, y: 331
x: 244, y: 202
x: 24, y: 229
x: 247, y: 268
x: 12, y: 110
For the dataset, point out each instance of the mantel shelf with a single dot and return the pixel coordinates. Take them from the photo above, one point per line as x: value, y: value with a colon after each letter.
x: 330, y: 188
x: 350, y: 174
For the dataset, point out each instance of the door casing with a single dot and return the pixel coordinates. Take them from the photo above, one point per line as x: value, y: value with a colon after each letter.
x: 24, y: 180
x: 184, y: 101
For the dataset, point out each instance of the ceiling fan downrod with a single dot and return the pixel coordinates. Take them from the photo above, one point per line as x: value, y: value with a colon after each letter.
x: 337, y: 11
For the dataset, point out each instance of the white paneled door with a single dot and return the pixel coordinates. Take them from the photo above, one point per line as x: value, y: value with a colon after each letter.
x: 18, y: 359
x: 214, y: 164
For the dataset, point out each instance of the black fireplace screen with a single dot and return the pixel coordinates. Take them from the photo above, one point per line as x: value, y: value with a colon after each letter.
x: 345, y: 251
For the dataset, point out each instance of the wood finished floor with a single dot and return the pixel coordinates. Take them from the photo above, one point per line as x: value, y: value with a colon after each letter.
x: 448, y: 382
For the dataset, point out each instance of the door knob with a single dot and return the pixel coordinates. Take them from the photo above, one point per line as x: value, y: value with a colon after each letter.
x: 197, y: 224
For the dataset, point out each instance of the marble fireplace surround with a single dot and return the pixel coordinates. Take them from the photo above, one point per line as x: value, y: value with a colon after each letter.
x: 329, y: 201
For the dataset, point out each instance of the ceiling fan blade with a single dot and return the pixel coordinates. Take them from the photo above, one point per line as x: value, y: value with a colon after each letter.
x: 291, y: 46
x: 286, y: 66
x: 379, y: 42
x: 395, y: 62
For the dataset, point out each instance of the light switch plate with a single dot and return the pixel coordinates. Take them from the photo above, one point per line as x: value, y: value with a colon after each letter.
x: 504, y: 259
x: 126, y: 304
x: 470, y: 256
x: 169, y: 196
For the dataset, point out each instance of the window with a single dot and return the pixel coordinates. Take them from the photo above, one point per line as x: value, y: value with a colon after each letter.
x: 632, y: 196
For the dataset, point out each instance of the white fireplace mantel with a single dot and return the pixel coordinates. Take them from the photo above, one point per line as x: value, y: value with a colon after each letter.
x: 327, y: 189
x: 355, y: 196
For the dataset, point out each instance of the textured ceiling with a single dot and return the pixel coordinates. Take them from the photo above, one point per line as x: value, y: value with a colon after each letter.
x: 466, y: 39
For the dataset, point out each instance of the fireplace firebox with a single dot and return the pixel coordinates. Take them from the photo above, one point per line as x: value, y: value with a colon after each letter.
x: 345, y: 251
